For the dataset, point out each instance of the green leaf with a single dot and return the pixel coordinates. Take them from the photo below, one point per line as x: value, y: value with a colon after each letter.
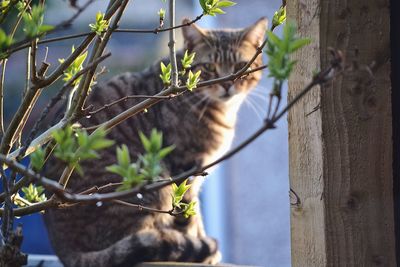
x: 297, y: 44
x: 46, y: 28
x: 274, y: 39
x: 279, y: 16
x: 33, y: 22
x: 203, y: 5
x: 75, y: 67
x: 101, y: 144
x: 165, y: 151
x: 148, y: 165
x: 33, y: 193
x: 213, y: 7
x: 130, y: 172
x: 5, y: 41
x: 165, y: 73
x: 155, y: 141
x: 161, y: 13
x: 279, y: 49
x: 187, y: 59
x: 123, y: 156
x: 5, y: 4
x: 178, y: 192
x: 145, y: 141
x: 74, y: 147
x: 37, y: 159
x: 101, y: 24
x: 116, y: 169
x: 182, y: 188
x: 192, y: 80
x: 189, y: 210
x: 225, y: 4
x: 217, y: 10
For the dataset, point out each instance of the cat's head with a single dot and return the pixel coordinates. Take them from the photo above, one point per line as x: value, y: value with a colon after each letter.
x: 222, y: 52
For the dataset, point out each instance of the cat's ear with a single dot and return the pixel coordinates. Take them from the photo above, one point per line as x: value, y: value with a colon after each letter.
x: 192, y: 34
x: 255, y: 33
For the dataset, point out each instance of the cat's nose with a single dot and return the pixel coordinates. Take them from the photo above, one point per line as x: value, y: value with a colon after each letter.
x: 226, y: 86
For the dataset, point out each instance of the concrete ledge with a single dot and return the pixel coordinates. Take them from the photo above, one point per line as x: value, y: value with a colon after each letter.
x: 183, y: 264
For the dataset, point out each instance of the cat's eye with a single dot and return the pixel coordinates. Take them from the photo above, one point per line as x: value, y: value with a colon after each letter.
x: 240, y: 65
x: 210, y: 67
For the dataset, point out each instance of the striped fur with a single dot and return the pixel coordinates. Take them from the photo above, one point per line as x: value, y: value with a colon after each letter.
x: 200, y: 125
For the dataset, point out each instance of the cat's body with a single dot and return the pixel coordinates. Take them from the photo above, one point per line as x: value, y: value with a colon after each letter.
x: 200, y: 125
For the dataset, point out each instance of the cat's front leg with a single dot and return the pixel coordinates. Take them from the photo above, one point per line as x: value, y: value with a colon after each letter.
x: 173, y: 245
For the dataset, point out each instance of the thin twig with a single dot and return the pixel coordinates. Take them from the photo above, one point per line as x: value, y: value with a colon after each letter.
x: 3, y: 73
x: 78, y: 35
x: 125, y: 98
x: 82, y: 91
x: 171, y: 45
x: 68, y: 22
x: 141, y: 208
x: 26, y: 42
x: 170, y: 91
x: 33, y: 50
x: 7, y: 216
x: 51, y: 104
x: 81, y: 94
x: 32, y: 95
x: 96, y: 189
x: 158, y: 30
x: 36, y: 207
x: 85, y: 43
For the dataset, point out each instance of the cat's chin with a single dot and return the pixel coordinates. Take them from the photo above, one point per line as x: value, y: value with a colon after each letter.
x: 231, y: 98
x: 225, y: 97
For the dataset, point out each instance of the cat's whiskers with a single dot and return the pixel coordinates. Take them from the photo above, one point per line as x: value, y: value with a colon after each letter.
x: 250, y: 102
x: 261, y: 95
x: 204, y: 108
x: 196, y: 105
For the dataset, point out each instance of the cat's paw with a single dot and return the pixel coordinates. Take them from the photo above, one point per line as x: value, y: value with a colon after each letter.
x: 214, y: 259
x: 214, y: 255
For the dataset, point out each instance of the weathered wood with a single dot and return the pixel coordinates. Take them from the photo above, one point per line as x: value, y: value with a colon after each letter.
x: 395, y: 77
x: 341, y: 154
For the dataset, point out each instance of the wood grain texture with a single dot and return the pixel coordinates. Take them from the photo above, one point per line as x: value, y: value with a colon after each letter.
x: 341, y: 154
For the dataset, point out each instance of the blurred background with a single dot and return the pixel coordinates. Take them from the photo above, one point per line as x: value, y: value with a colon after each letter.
x: 245, y: 201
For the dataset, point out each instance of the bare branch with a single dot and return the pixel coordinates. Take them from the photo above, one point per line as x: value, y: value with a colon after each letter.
x: 3, y: 73
x: 143, y: 208
x: 27, y: 41
x: 171, y: 45
x: 125, y: 98
x: 82, y: 92
x: 37, y: 207
x: 78, y: 35
x: 27, y: 145
x: 170, y: 91
x: 320, y: 78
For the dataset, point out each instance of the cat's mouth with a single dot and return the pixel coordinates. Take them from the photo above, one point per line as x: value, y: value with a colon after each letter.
x: 226, y: 93
x: 226, y: 96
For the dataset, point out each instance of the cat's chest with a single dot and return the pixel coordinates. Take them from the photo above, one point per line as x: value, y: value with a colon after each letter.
x: 224, y: 133
x: 225, y: 141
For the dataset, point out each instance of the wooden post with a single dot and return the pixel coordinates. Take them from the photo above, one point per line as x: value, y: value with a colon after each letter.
x: 340, y: 138
x: 395, y: 77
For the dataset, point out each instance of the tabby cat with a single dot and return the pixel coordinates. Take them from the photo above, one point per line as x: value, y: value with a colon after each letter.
x: 201, y: 126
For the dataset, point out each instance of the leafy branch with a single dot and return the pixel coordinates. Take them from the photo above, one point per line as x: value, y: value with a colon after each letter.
x: 148, y: 167
x: 214, y: 7
x: 335, y: 68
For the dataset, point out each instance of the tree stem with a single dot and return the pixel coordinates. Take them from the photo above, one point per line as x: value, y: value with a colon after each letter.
x: 171, y: 44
